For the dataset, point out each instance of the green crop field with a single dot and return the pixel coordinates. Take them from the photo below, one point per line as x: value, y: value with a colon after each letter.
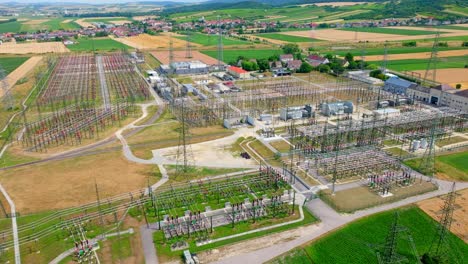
x: 10, y: 27
x: 397, y: 50
x: 287, y: 38
x: 232, y: 55
x: 395, y: 31
x: 356, y: 242
x: 211, y: 40
x: 421, y: 64
x: 9, y: 64
x: 98, y: 44
x: 453, y: 165
x: 447, y: 27
x: 458, y: 161
x: 57, y: 24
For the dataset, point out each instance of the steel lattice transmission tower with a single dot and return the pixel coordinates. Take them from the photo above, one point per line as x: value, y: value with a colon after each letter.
x: 389, y: 253
x: 427, y: 165
x: 431, y: 69
x: 184, y: 151
x: 6, y: 97
x: 384, y: 65
x: 439, y: 246
x: 188, y: 52
x: 171, y: 50
x: 220, y: 45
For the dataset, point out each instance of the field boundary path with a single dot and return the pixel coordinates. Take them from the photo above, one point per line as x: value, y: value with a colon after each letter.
x: 20, y: 72
x: 102, y: 79
x: 14, y: 225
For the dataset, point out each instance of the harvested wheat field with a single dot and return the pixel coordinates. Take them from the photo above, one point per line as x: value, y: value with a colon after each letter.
x: 145, y: 41
x: 83, y: 23
x: 141, y: 18
x: 419, y: 55
x: 70, y: 182
x: 451, y: 76
x: 342, y: 35
x: 459, y: 227
x: 120, y: 22
x: 180, y: 55
x: 21, y: 71
x: 27, y: 48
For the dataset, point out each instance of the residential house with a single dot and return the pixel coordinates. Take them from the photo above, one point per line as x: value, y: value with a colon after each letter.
x: 285, y: 58
x: 294, y: 65
x: 316, y: 60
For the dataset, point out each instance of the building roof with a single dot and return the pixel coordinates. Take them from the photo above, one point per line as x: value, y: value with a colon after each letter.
x: 286, y: 56
x: 294, y: 64
x: 237, y: 69
x: 316, y: 57
x: 463, y: 93
x: 399, y: 82
x: 444, y: 87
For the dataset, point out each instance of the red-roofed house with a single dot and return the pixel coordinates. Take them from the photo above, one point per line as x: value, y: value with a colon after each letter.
x: 294, y: 65
x: 286, y: 58
x: 316, y: 60
x: 238, y: 72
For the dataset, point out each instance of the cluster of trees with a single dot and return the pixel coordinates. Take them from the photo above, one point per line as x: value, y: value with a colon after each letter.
x: 8, y: 21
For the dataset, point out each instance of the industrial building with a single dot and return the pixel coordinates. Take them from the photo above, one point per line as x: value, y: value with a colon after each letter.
x: 397, y: 85
x: 238, y: 72
x: 337, y: 108
x: 184, y: 67
x: 441, y: 95
x: 238, y: 121
x: 363, y: 76
x: 296, y: 112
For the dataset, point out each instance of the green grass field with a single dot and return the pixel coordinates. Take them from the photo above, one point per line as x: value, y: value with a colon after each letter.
x: 10, y: 27
x: 57, y: 24
x: 9, y: 64
x: 99, y: 44
x: 287, y: 38
x: 211, y: 40
x: 357, y: 242
x: 396, y: 31
x: 452, y: 166
x: 393, y: 50
x: 232, y: 55
x: 421, y: 64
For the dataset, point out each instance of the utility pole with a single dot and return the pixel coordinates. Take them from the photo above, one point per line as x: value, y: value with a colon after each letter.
x: 184, y: 154
x: 427, y: 165
x: 220, y: 45
x: 439, y: 246
x: 98, y: 202
x: 431, y: 69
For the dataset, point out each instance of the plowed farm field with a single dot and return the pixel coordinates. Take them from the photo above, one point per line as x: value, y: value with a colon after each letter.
x: 342, y: 35
x: 451, y: 76
x: 145, y: 41
x: 459, y: 226
x: 419, y: 55
x: 180, y: 55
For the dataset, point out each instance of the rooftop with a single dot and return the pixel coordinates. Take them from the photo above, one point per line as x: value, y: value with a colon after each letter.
x: 237, y: 69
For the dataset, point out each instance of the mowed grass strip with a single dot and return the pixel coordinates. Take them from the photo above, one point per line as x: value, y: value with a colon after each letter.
x: 287, y: 38
x: 351, y: 244
x: 9, y: 64
x: 392, y: 50
x: 394, y: 31
x: 421, y: 64
x: 97, y: 44
x: 232, y: 55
